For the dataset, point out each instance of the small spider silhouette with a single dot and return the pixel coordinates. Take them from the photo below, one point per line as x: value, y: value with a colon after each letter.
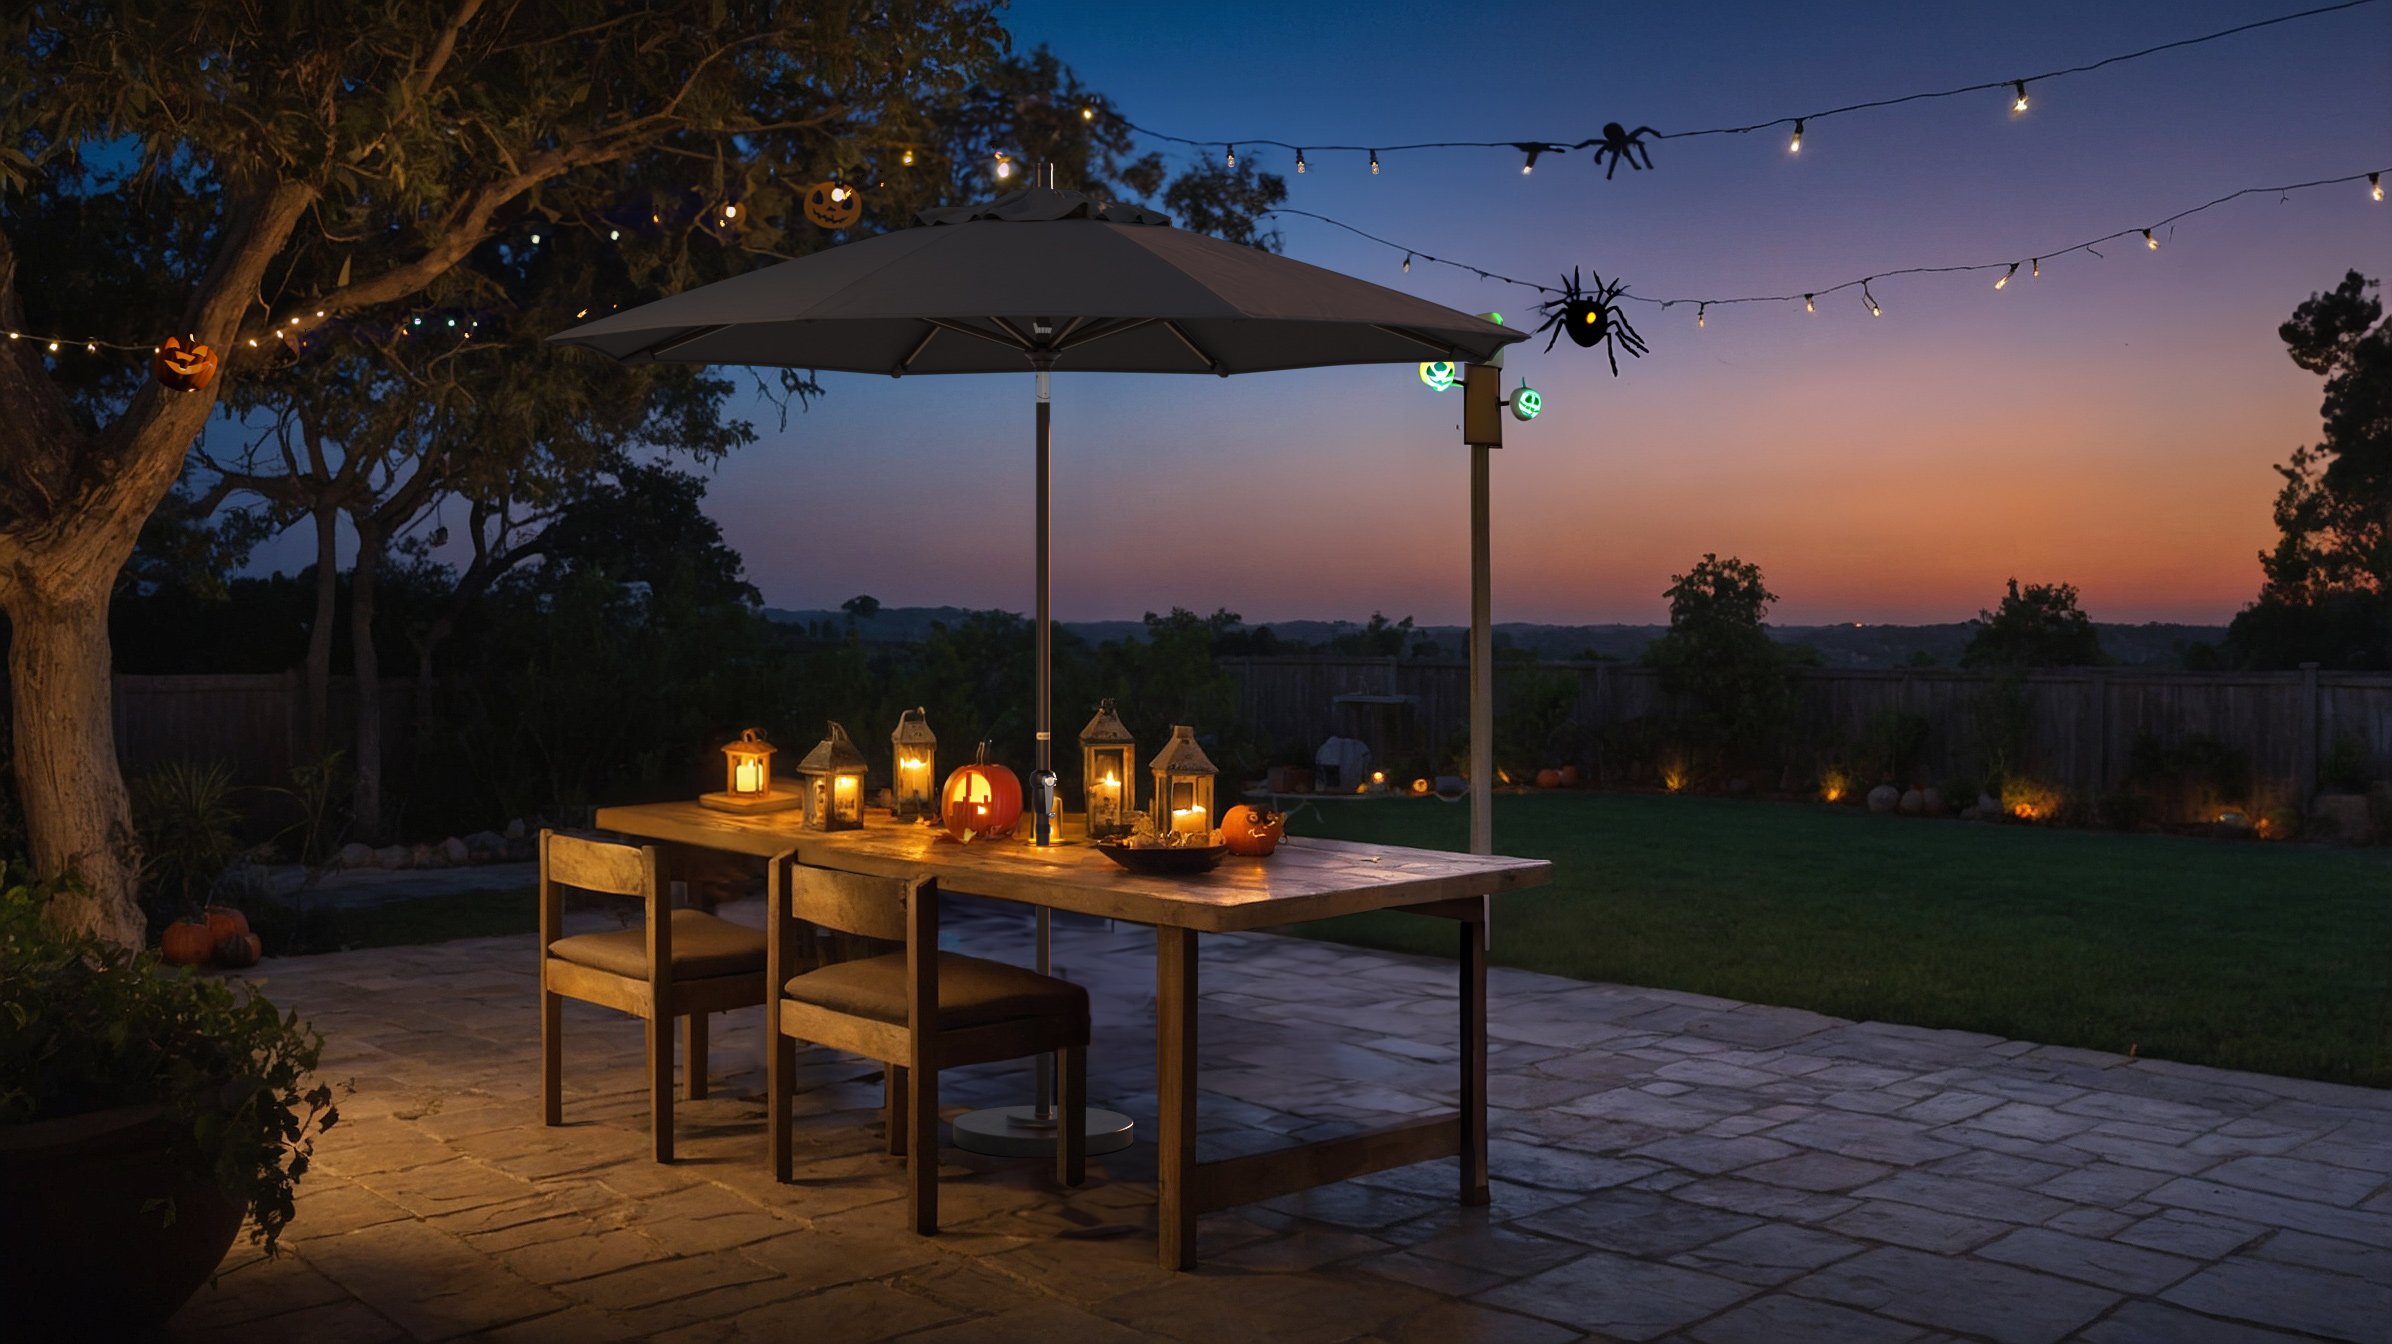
x: 1592, y: 317
x: 1623, y: 146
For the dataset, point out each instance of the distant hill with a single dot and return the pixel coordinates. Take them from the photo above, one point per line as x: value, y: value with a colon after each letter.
x: 2152, y: 644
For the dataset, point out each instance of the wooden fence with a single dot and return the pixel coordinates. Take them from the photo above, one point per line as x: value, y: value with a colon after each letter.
x: 2080, y: 723
x: 254, y: 722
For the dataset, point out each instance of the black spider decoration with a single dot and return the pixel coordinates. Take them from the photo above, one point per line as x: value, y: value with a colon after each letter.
x: 1592, y: 317
x: 1624, y: 146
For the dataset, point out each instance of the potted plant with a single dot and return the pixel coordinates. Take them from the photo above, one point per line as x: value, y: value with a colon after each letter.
x: 144, y: 1113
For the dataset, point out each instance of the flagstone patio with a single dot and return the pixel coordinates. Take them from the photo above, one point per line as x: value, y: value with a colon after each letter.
x: 1668, y: 1166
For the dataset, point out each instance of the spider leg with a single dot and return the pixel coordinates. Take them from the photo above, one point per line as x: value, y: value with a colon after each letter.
x: 1613, y: 353
x: 1549, y: 341
x: 1615, y: 165
x: 1647, y: 153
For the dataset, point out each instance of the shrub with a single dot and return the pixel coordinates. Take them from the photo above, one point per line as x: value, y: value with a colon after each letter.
x: 2190, y: 781
x: 2024, y: 799
x: 1835, y: 784
x: 92, y: 1027
x: 1890, y: 747
x: 2345, y: 765
x: 184, y: 815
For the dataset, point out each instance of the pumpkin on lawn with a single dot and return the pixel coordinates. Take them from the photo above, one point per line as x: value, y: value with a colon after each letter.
x: 980, y: 799
x: 239, y: 950
x: 186, y: 942
x: 1548, y: 778
x: 1252, y: 832
x: 185, y: 368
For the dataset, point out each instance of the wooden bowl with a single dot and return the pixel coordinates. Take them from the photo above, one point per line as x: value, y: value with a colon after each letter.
x: 1161, y: 859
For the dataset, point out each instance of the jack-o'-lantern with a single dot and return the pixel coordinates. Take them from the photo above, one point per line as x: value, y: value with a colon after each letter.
x: 185, y: 368
x: 1252, y: 831
x: 981, y: 799
x: 833, y: 205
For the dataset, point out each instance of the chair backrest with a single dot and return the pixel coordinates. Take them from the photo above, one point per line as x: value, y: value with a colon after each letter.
x: 594, y: 865
x: 872, y: 907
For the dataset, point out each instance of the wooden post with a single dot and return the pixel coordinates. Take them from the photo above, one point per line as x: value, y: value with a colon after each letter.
x: 1473, y: 994
x: 2305, y: 785
x: 1175, y: 1096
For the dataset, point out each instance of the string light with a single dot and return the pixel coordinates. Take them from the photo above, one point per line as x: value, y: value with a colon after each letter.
x: 614, y: 235
x: 732, y: 211
x: 2375, y: 185
x: 906, y: 158
x: 839, y: 192
x: 1794, y: 146
x: 2005, y: 280
x: 1231, y: 160
x: 1299, y: 161
x: 54, y: 346
x: 1807, y: 305
x: 1870, y: 299
x: 1698, y: 314
x: 2149, y: 241
x: 1004, y: 166
x: 1407, y: 271
x: 2037, y: 272
x: 2017, y: 88
x: 1534, y: 151
x: 1087, y: 112
x: 1374, y: 163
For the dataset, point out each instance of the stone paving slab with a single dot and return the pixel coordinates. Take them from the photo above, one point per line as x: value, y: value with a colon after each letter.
x: 1667, y: 1166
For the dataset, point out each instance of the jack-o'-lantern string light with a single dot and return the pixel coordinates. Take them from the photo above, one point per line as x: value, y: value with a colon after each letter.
x: 1613, y: 141
x: 2005, y: 269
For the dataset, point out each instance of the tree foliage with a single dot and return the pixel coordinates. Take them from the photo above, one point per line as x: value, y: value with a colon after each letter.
x: 2039, y: 625
x: 2327, y: 594
x: 1718, y: 654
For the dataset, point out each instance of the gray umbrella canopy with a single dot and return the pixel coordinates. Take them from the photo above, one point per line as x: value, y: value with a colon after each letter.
x: 1043, y: 276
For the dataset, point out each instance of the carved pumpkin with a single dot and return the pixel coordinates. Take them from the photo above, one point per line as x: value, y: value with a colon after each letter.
x: 1252, y: 831
x: 1548, y: 778
x: 185, y: 368
x: 833, y: 205
x: 980, y: 799
x: 238, y: 951
x: 225, y: 922
x: 186, y: 942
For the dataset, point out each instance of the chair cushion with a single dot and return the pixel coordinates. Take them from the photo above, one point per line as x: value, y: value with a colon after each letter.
x: 972, y: 992
x: 703, y: 946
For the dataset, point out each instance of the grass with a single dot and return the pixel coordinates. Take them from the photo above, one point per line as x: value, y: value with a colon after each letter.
x: 2239, y: 954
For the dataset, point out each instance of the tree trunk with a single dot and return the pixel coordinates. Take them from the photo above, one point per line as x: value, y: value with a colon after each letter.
x: 76, y: 812
x: 365, y: 805
x: 319, y: 637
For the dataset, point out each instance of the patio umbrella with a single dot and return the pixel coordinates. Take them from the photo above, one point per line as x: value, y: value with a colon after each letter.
x: 1043, y: 280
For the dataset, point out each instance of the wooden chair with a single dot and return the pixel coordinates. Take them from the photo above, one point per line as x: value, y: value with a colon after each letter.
x: 684, y: 963
x: 916, y: 1011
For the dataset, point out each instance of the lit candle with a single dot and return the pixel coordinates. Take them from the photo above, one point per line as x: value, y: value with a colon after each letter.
x: 1104, y: 807
x: 747, y: 776
x: 1188, y: 820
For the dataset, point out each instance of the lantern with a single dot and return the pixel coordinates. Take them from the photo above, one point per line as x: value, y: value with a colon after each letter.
x: 831, y: 780
x: 1183, y: 787
x: 1107, y: 765
x: 747, y: 778
x: 916, y: 751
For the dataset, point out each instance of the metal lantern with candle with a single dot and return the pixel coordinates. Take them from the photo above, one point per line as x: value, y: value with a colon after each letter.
x: 1183, y: 789
x: 1108, y: 766
x: 747, y: 778
x: 916, y: 752
x: 831, y: 779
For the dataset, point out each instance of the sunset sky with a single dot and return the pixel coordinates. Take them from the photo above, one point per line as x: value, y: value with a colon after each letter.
x: 2111, y: 424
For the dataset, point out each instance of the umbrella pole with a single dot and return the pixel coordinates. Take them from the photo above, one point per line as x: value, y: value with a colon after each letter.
x: 1482, y: 662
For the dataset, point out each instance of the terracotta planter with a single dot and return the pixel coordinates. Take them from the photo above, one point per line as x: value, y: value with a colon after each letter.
x: 80, y: 1257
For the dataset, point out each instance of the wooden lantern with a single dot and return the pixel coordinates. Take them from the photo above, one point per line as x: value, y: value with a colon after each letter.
x: 1183, y: 787
x: 1108, y: 773
x: 747, y: 778
x: 830, y: 781
x: 914, y: 767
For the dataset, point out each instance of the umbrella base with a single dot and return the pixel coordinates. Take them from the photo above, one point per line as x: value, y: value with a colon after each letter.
x: 1016, y: 1131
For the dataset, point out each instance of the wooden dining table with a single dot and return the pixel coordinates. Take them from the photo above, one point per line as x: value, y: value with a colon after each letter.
x: 1306, y: 879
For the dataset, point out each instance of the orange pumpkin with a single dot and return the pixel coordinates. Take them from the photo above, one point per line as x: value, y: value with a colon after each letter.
x: 981, y: 799
x: 833, y: 205
x: 225, y: 922
x: 1570, y: 776
x: 1548, y: 778
x: 186, y: 943
x: 1252, y: 831
x: 238, y: 951
x: 185, y: 368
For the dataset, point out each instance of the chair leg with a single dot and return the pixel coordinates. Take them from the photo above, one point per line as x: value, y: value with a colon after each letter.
x: 660, y: 1085
x: 552, y: 1058
x: 1071, y: 1149
x: 781, y: 1068
x: 895, y: 1113
x: 922, y: 1156
x: 693, y: 1031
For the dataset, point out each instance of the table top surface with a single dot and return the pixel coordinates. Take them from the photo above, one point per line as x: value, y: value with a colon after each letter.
x: 1306, y: 879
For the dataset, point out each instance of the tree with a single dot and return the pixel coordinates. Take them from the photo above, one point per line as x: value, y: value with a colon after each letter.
x: 237, y: 159
x: 2037, y: 626
x: 2327, y: 592
x: 1718, y: 654
x: 861, y: 607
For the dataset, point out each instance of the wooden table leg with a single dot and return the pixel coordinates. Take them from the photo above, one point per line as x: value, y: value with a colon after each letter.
x: 1472, y: 960
x: 1175, y: 1096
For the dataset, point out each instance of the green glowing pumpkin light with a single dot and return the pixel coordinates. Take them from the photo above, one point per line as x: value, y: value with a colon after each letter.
x: 1439, y: 374
x: 1526, y: 402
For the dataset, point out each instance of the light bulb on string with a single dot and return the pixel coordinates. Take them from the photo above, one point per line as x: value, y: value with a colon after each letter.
x: 614, y: 235
x: 839, y: 192
x: 2149, y: 241
x: 2019, y: 103
x: 1299, y: 161
x: 2005, y: 276
x: 1087, y: 112
x: 2375, y: 185
x: 1698, y: 314
x: 54, y: 346
x: 1808, y: 304
x: 1407, y: 264
x: 1534, y: 151
x: 535, y: 240
x: 2037, y: 272
x: 1004, y: 165
x: 1794, y: 146
x: 1870, y: 299
x: 732, y: 211
x: 1230, y: 160
x: 1374, y: 163
x: 907, y: 158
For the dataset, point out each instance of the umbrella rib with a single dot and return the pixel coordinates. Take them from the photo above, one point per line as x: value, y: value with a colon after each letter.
x: 659, y: 349
x: 1197, y: 350
x: 930, y: 332
x: 944, y: 324
x: 1101, y: 330
x: 1441, y: 347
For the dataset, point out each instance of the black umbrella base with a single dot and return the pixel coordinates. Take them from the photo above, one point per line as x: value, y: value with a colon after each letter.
x: 1017, y: 1131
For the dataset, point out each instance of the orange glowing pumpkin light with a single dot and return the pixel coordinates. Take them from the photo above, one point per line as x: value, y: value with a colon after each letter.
x: 981, y: 799
x: 1252, y: 831
x: 183, y: 367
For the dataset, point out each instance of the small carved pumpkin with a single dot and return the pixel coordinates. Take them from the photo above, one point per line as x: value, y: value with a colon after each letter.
x: 981, y: 799
x: 833, y: 205
x: 1252, y: 831
x: 185, y: 368
x: 238, y: 951
x: 186, y: 942
x: 225, y: 922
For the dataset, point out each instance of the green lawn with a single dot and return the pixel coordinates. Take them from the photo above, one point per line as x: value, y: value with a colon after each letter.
x: 2240, y: 954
